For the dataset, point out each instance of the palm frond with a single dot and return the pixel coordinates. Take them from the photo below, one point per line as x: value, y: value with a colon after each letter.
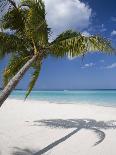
x: 15, y: 64
x: 28, y: 21
x: 7, y: 4
x: 14, y: 20
x: 74, y: 44
x: 33, y: 79
x: 98, y: 43
x: 10, y: 43
x: 36, y: 25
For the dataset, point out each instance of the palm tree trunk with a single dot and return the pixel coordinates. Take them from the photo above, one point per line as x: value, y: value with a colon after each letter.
x: 14, y: 81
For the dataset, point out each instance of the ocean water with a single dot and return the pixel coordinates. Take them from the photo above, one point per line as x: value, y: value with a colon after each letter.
x: 97, y: 97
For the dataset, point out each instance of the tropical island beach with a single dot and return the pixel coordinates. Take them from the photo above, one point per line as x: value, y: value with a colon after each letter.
x: 38, y: 127
x: 57, y: 77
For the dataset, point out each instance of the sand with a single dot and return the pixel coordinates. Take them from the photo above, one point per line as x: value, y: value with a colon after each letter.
x: 39, y: 127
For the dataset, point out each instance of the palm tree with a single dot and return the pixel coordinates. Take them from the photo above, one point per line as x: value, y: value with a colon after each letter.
x: 25, y: 36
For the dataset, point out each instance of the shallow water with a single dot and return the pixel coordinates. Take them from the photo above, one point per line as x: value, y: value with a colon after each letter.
x: 99, y: 97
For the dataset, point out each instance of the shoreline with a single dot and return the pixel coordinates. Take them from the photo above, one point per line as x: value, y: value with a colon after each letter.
x: 33, y: 127
x: 56, y: 102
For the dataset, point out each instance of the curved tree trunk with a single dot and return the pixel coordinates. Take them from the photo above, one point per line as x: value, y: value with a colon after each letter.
x: 14, y: 81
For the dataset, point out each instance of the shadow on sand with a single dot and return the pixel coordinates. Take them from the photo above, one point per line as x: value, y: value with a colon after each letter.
x: 76, y: 125
x: 23, y: 151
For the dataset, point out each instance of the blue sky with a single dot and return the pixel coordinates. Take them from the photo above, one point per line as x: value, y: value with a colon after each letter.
x: 96, y: 71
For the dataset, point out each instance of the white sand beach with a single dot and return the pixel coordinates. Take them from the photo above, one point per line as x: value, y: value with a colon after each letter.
x: 35, y: 128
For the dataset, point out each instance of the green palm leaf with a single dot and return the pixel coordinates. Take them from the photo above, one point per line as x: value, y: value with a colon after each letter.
x: 15, y: 64
x: 14, y: 19
x: 6, y: 5
x: 33, y: 79
x: 35, y: 24
x: 74, y: 44
x: 10, y: 43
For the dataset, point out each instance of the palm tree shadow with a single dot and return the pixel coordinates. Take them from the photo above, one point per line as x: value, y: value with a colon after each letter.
x: 76, y: 125
x: 23, y: 151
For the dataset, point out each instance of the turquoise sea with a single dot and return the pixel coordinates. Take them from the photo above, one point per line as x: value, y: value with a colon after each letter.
x: 98, y: 97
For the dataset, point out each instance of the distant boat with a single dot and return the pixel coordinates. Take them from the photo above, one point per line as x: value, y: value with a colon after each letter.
x: 66, y: 90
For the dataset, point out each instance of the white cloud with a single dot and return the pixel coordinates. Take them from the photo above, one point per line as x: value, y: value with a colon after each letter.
x: 97, y: 29
x: 86, y: 34
x: 68, y: 14
x: 113, y: 19
x: 111, y: 66
x: 88, y: 65
x: 113, y: 33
